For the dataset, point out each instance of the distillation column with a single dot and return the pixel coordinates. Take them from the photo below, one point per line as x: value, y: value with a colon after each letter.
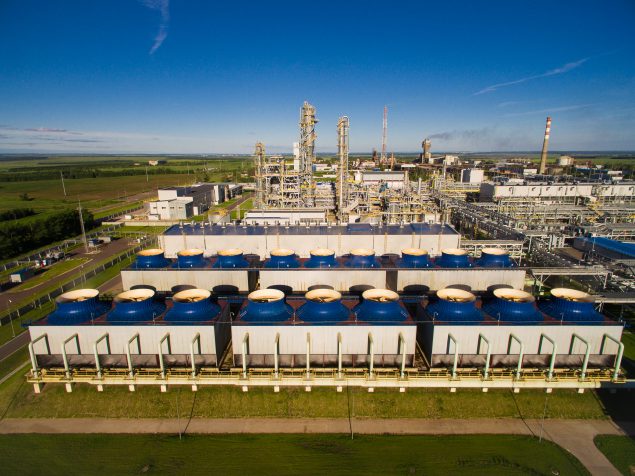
x: 545, y: 145
x: 342, y: 176
x: 259, y: 162
x: 307, y: 153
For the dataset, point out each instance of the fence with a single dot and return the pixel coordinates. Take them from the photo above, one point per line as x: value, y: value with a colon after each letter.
x: 64, y: 245
x: 69, y: 285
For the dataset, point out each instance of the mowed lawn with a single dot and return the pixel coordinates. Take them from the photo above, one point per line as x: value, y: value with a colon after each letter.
x: 283, y: 455
x: 18, y: 400
x: 620, y: 450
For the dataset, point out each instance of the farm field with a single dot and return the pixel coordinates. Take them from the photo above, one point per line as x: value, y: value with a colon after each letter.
x: 284, y: 454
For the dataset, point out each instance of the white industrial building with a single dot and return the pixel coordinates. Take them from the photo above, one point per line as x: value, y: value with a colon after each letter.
x: 472, y: 175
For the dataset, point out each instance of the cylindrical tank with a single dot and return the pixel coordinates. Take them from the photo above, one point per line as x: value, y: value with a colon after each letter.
x: 453, y: 258
x: 136, y: 305
x: 76, y: 307
x: 362, y: 258
x: 495, y: 258
x: 282, y: 258
x: 231, y: 258
x: 321, y: 258
x: 266, y: 306
x: 151, y: 258
x: 192, y: 305
x: 380, y: 307
x: 513, y: 305
x: 414, y: 258
x: 571, y: 305
x: 192, y: 258
x: 323, y: 306
x: 456, y: 306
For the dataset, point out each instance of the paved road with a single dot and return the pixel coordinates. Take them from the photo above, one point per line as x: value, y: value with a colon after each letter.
x: 103, y: 253
x: 575, y: 436
x: 14, y: 344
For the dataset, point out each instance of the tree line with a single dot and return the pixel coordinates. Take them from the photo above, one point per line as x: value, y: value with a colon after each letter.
x: 19, y: 238
x: 16, y: 213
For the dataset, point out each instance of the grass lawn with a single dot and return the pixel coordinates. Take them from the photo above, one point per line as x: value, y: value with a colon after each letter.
x: 117, y: 209
x: 231, y: 402
x: 14, y: 361
x: 56, y: 269
x: 620, y: 450
x: 283, y: 454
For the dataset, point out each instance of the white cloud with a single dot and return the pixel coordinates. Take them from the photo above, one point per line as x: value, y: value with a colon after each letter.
x: 560, y: 70
x: 163, y: 7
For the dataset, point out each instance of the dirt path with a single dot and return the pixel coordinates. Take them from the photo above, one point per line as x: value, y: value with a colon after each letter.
x: 575, y: 436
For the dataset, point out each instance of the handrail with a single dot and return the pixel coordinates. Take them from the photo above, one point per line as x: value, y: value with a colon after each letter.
x: 276, y: 349
x: 65, y: 357
x: 339, y: 355
x: 618, y: 357
x: 402, y: 350
x: 129, y: 356
x: 554, y: 351
x: 481, y: 337
x: 161, y: 363
x: 371, y: 351
x: 587, y: 353
x: 308, y: 355
x: 456, y: 354
x: 245, y: 352
x: 196, y: 339
x: 520, y: 355
x: 34, y: 366
x: 97, y: 364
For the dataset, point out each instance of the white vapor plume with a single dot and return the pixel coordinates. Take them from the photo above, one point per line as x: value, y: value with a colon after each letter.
x: 561, y: 70
x: 163, y: 7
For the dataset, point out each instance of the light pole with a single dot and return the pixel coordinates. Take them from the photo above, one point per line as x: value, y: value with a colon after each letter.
x: 9, y: 301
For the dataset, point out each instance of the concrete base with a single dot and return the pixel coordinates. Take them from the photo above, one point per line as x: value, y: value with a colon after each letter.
x: 516, y: 390
x: 69, y: 387
x: 276, y: 388
x: 245, y: 388
x: 452, y: 389
x: 100, y: 388
x: 194, y: 388
x: 164, y: 388
x: 371, y: 389
x: 402, y: 389
x: 131, y: 388
x: 307, y: 388
x: 485, y: 389
x: 339, y: 388
x: 37, y: 387
x: 580, y: 390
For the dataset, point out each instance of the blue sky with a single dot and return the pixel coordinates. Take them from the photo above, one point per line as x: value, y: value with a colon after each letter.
x: 188, y: 76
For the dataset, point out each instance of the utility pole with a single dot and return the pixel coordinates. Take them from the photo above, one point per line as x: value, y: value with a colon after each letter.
x: 384, y: 137
x: 63, y: 186
x: 146, y: 174
x: 81, y: 224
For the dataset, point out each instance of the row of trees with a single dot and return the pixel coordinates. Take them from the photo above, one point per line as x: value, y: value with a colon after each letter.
x: 16, y: 213
x: 18, y: 238
x: 83, y: 172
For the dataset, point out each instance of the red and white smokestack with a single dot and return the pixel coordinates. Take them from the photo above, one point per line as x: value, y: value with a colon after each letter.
x: 545, y: 145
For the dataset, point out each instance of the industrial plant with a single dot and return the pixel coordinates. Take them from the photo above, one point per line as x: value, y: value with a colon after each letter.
x: 473, y: 277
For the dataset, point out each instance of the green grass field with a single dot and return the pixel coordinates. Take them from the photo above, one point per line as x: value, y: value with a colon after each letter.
x: 283, y: 454
x: 620, y: 450
x: 231, y: 402
x: 53, y: 271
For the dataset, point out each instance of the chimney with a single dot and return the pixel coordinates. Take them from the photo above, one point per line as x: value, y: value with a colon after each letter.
x: 545, y: 145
